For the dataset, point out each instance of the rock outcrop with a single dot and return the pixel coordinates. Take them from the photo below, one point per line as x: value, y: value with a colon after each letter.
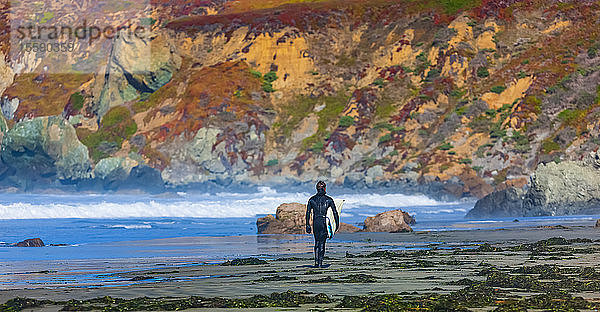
x: 32, y: 242
x: 290, y: 219
x: 505, y: 203
x: 565, y: 188
x: 3, y: 127
x: 394, y: 221
x: 137, y: 64
x: 46, y: 147
x: 597, y: 223
x: 570, y: 187
x: 123, y: 173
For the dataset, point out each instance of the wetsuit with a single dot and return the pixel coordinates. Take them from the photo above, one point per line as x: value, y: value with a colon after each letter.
x: 318, y: 205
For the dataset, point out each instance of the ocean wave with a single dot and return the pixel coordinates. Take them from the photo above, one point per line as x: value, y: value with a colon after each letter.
x: 225, y: 205
x: 131, y: 226
x: 390, y: 200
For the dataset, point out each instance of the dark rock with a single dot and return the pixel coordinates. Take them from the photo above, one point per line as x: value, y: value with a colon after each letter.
x: 390, y: 221
x: 505, y: 203
x: 32, y: 242
x: 598, y: 223
x: 122, y: 174
x: 145, y: 178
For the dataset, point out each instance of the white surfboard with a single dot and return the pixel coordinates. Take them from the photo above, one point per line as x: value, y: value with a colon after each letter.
x: 332, y: 227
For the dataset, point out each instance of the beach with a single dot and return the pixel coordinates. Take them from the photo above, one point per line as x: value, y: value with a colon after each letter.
x: 539, y: 268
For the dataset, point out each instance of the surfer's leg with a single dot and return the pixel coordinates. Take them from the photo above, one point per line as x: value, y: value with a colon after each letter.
x: 316, y: 236
x: 321, y: 251
x: 317, y: 253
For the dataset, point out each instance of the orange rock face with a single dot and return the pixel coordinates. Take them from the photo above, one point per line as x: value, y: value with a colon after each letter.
x: 390, y: 221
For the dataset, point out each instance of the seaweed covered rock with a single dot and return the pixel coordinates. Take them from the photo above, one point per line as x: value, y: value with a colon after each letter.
x: 244, y: 261
x: 504, y: 203
x: 46, y: 147
x: 290, y: 219
x: 390, y: 221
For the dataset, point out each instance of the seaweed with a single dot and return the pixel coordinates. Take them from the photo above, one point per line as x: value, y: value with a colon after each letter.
x: 285, y: 300
x: 276, y: 278
x: 349, y: 279
x: 244, y: 261
x: 18, y: 304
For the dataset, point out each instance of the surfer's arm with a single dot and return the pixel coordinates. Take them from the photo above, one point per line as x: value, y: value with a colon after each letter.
x: 308, y: 210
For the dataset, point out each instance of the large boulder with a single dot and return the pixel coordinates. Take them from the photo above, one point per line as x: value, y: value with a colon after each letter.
x: 390, y: 221
x: 504, y: 203
x: 291, y: 219
x: 46, y: 147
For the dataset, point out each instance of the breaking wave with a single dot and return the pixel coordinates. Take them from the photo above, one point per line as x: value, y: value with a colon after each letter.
x: 222, y: 205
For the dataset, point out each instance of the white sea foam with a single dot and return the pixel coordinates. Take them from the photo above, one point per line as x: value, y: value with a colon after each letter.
x: 132, y: 226
x: 224, y: 205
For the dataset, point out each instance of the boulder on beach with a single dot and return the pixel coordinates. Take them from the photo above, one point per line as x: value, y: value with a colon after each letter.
x: 32, y: 242
x: 390, y: 221
x: 290, y: 219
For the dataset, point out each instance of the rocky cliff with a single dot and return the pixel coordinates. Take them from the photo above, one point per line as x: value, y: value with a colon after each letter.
x: 446, y: 97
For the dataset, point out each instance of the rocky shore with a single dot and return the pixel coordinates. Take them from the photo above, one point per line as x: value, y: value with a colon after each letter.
x: 565, y: 188
x: 533, y: 269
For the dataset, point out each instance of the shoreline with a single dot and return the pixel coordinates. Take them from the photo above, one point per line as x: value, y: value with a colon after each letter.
x: 367, y: 264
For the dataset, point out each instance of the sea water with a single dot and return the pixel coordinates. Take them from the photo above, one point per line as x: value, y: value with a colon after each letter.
x: 96, y: 234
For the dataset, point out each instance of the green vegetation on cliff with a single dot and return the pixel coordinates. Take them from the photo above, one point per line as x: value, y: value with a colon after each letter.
x: 116, y: 126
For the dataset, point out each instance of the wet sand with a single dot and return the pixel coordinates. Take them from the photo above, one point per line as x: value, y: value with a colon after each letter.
x: 477, y: 270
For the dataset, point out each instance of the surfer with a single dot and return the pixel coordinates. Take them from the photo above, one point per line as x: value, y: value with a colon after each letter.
x: 319, y: 204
